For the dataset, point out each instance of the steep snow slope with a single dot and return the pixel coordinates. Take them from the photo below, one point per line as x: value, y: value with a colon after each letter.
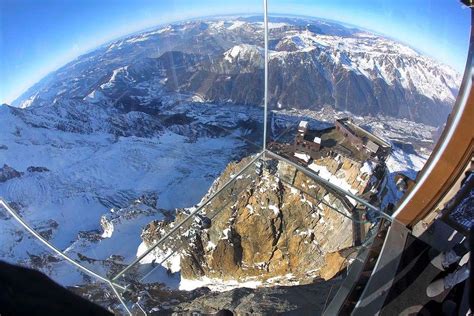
x: 90, y: 173
x: 162, y: 112
x: 375, y: 57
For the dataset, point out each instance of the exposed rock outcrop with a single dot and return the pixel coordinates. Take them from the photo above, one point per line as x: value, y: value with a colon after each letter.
x: 274, y: 225
x: 37, y: 169
x: 144, y: 205
x: 7, y: 173
x: 307, y: 299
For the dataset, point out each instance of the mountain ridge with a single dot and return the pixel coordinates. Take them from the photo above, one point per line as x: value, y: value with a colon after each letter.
x: 346, y: 68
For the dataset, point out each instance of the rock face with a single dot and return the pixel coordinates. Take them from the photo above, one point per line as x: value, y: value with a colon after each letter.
x: 307, y: 299
x: 334, y: 262
x: 7, y: 173
x: 37, y: 169
x: 144, y: 205
x: 279, y: 225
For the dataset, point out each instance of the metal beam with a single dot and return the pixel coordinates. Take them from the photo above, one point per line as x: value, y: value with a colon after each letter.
x: 191, y: 215
x: 375, y: 292
x: 353, y: 275
x: 325, y: 182
x: 23, y: 223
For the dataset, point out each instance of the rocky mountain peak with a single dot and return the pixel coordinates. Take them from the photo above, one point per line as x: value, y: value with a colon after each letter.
x: 244, y: 52
x: 281, y: 226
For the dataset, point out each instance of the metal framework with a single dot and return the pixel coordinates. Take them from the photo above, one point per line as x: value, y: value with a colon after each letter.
x: 112, y: 282
x: 416, y: 203
x: 40, y: 238
x: 448, y: 159
x: 265, y: 91
x: 325, y: 182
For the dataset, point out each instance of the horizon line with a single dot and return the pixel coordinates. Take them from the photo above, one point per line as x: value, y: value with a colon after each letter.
x: 237, y: 15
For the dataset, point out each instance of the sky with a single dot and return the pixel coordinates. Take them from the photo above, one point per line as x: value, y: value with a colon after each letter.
x: 37, y: 37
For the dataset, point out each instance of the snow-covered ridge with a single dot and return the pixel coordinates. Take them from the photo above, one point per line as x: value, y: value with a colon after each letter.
x: 113, y: 78
x: 366, y: 54
x: 374, y: 57
x: 245, y: 52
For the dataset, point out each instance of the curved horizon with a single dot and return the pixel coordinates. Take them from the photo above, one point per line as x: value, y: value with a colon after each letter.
x: 37, y: 75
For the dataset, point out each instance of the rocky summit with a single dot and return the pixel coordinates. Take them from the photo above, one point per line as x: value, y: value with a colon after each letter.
x: 278, y: 226
x: 106, y: 155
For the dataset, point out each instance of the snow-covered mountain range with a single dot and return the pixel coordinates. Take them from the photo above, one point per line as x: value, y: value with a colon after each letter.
x: 313, y: 63
x: 164, y: 111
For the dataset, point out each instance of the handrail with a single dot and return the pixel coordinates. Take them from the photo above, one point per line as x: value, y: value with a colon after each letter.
x: 120, y: 298
x: 325, y: 182
x: 23, y: 223
x: 289, y: 184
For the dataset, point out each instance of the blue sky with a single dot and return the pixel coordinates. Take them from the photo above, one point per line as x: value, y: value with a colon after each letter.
x: 37, y: 37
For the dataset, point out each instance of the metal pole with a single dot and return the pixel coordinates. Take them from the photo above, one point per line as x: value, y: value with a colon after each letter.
x: 15, y: 215
x: 191, y: 215
x: 265, y: 97
x: 119, y: 297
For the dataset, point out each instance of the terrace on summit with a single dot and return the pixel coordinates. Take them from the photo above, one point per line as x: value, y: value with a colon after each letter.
x: 344, y: 138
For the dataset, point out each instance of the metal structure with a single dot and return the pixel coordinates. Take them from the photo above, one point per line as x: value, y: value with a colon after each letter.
x: 40, y: 238
x: 265, y: 88
x: 445, y: 166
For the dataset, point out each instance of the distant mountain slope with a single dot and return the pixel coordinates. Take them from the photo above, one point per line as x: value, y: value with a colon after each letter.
x: 164, y: 112
x: 312, y: 63
x: 63, y: 166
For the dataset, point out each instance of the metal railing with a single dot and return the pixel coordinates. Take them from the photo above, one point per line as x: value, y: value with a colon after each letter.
x: 329, y: 184
x: 268, y: 154
x: 38, y: 236
x: 265, y: 153
x: 46, y: 243
x: 189, y: 217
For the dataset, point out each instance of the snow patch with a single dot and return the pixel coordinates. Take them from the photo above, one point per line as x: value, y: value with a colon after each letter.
x: 217, y: 285
x: 324, y: 173
x: 274, y: 208
x: 236, y: 25
x: 302, y: 156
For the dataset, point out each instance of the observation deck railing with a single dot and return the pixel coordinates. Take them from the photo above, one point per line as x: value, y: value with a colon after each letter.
x: 120, y: 282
